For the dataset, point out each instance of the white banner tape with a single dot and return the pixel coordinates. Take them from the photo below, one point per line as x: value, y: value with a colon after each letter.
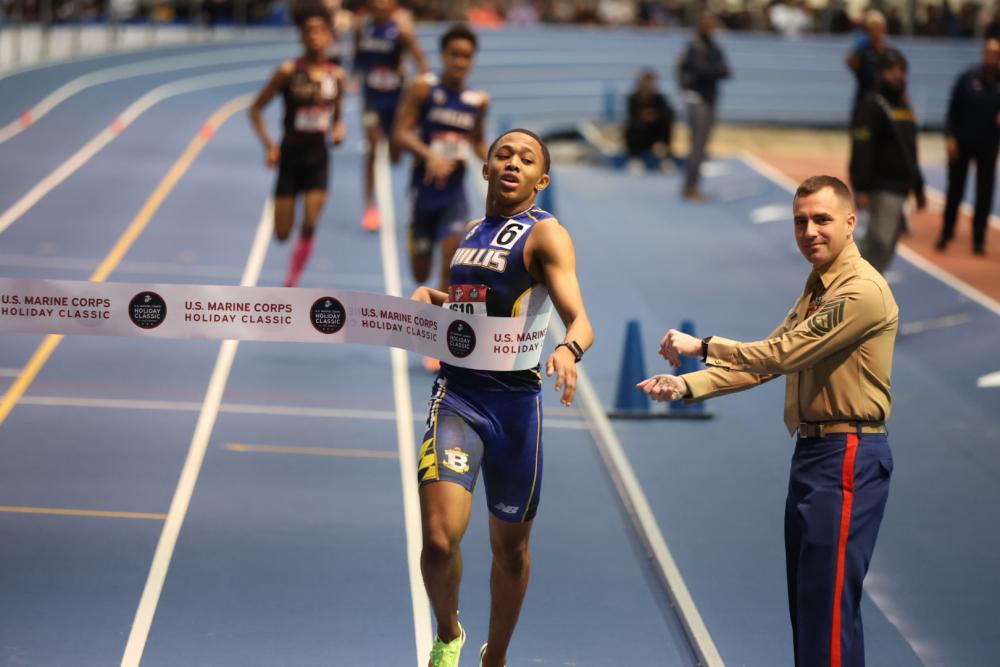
x: 271, y: 314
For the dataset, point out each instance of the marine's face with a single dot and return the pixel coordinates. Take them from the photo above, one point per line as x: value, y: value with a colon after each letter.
x: 516, y: 169
x: 457, y: 57
x: 824, y: 226
x: 316, y: 35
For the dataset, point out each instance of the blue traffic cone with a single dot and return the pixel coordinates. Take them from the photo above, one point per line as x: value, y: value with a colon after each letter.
x: 631, y: 401
x: 679, y: 409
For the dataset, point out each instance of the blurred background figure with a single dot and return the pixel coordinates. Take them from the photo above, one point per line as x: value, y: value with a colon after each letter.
x: 884, y: 166
x: 649, y: 125
x: 381, y: 40
x: 789, y: 18
x: 702, y: 66
x: 972, y: 134
x: 864, y: 58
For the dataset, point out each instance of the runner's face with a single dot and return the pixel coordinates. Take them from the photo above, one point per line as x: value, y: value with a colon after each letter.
x: 824, y: 225
x: 457, y: 58
x: 515, y: 170
x: 382, y: 9
x: 316, y: 36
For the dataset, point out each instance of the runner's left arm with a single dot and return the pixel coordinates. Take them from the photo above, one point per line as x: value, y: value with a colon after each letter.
x: 478, y: 137
x: 338, y: 131
x: 553, y: 262
x: 412, y: 46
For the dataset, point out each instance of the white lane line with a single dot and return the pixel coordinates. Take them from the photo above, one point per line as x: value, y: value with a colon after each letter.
x: 238, y: 408
x: 911, y: 256
x: 634, y: 499
x: 939, y: 198
x: 32, y: 115
x: 107, y: 135
x: 989, y: 380
x: 944, y: 322
x: 192, y: 465
x: 422, y: 628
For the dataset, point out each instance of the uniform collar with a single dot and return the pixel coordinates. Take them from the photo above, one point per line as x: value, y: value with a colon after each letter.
x: 837, y: 267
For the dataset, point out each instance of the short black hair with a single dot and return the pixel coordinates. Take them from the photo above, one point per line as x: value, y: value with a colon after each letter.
x: 458, y: 31
x: 892, y: 58
x: 311, y: 10
x: 546, y: 158
x: 814, y: 184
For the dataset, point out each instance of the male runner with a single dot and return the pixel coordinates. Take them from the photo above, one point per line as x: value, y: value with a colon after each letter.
x: 380, y: 40
x: 493, y: 420
x: 441, y: 123
x: 312, y: 88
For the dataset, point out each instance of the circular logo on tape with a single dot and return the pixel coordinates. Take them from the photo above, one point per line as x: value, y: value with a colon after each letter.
x: 461, y: 339
x: 147, y: 310
x: 327, y: 315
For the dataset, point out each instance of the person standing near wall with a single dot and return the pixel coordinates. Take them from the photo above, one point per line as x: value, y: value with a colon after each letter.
x: 972, y: 134
x: 701, y: 68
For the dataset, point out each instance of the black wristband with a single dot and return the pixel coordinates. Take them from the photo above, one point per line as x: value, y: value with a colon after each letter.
x: 704, y: 347
x: 573, y: 347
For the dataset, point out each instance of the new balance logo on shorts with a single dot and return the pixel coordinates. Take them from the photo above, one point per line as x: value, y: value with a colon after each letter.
x: 506, y: 509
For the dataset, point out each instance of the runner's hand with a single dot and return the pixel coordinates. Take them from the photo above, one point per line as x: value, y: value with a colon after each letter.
x: 421, y: 294
x: 437, y: 169
x: 563, y: 364
x: 664, y: 387
x: 338, y: 132
x: 676, y: 344
x: 272, y: 155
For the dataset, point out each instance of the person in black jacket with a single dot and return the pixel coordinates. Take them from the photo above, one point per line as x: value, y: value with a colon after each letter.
x: 700, y: 69
x: 649, y: 127
x: 972, y: 133
x: 864, y: 58
x: 884, y: 167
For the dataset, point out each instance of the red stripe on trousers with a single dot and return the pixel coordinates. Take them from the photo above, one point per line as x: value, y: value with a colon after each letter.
x: 847, y: 486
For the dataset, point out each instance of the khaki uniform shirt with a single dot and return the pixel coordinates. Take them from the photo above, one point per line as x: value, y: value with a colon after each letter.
x: 834, y: 347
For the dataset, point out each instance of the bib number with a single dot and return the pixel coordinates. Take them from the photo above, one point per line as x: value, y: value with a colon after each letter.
x: 509, y: 234
x: 312, y: 119
x: 451, y: 145
x: 467, y: 299
x: 384, y: 79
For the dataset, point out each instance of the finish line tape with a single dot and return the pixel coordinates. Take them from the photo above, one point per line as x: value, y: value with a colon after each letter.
x: 281, y: 314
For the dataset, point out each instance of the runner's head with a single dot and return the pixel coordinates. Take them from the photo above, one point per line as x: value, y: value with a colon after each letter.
x: 458, y: 50
x: 315, y: 29
x: 382, y: 9
x: 517, y: 169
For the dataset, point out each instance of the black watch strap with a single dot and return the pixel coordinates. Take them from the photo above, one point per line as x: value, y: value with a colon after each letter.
x: 573, y: 347
x: 704, y: 347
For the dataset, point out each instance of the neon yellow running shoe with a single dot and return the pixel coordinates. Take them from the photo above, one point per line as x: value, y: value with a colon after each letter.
x: 446, y: 655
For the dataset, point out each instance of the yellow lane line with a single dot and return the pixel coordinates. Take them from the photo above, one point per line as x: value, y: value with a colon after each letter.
x: 314, y: 451
x: 124, y: 243
x: 61, y: 511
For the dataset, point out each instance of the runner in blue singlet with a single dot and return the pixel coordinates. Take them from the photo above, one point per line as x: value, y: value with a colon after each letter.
x: 511, y: 262
x: 381, y: 39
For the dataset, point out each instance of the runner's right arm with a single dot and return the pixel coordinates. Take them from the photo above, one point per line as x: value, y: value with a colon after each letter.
x: 277, y: 81
x: 404, y: 134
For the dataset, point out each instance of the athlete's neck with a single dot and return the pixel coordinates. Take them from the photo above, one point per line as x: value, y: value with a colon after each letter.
x: 455, y: 83
x: 499, y: 209
x: 316, y: 58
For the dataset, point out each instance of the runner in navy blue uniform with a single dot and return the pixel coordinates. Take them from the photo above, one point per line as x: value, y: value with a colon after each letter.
x: 441, y: 123
x: 311, y: 87
x: 493, y: 420
x: 380, y: 41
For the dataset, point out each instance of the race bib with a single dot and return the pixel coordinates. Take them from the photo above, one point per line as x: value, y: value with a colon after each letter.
x: 312, y: 119
x: 384, y: 79
x: 468, y: 299
x: 451, y: 145
x: 508, y: 235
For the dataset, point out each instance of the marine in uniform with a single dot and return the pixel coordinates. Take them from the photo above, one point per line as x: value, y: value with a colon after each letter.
x: 381, y: 39
x: 834, y: 348
x: 517, y: 260
x: 311, y: 88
